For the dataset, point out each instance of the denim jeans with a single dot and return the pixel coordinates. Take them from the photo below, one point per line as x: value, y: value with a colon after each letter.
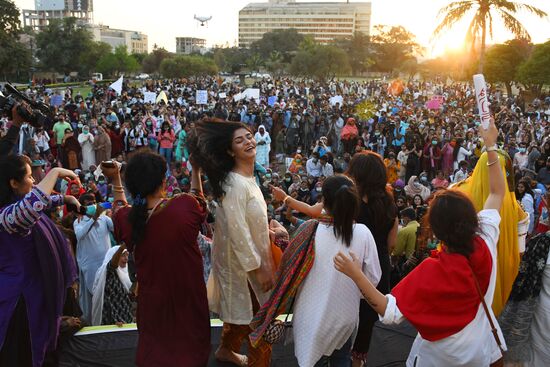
x: 167, y: 154
x: 339, y: 358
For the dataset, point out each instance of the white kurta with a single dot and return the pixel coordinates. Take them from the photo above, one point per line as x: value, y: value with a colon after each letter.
x: 473, y: 346
x: 541, y: 323
x: 88, y: 154
x: 241, y: 244
x: 326, y: 311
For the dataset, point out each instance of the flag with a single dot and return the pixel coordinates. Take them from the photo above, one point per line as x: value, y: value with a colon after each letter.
x: 117, y: 86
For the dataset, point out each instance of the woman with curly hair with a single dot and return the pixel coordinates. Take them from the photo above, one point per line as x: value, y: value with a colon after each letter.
x: 242, y: 263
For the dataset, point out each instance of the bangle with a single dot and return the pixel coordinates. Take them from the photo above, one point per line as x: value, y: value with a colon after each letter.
x: 491, y: 163
x: 285, y: 199
x: 492, y: 148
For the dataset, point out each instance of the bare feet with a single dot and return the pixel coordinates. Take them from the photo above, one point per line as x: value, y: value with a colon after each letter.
x: 226, y: 355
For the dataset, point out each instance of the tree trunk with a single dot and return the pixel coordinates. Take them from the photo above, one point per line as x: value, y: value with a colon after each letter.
x: 483, y: 40
x: 508, y: 89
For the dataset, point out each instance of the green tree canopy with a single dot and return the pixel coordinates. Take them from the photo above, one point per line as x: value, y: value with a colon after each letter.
x: 285, y: 41
x: 535, y: 72
x: 15, y: 58
x: 231, y: 59
x: 392, y: 46
x: 185, y: 66
x: 61, y: 45
x: 321, y: 62
x: 9, y: 18
x: 358, y: 49
x: 119, y: 62
x: 151, y: 63
x: 90, y: 58
x: 502, y: 62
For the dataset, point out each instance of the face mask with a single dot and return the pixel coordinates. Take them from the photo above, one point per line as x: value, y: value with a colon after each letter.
x: 377, y: 134
x: 521, y: 150
x: 101, y: 182
x: 434, y: 142
x: 80, y: 126
x: 91, y: 210
x: 318, y: 189
x: 417, y: 184
x: 298, y: 160
x: 424, y: 178
x: 287, y: 179
x: 85, y: 132
x: 315, y: 160
x: 402, y: 222
x: 267, y: 176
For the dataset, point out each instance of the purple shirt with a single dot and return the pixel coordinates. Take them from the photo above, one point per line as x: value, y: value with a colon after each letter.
x: 35, y: 265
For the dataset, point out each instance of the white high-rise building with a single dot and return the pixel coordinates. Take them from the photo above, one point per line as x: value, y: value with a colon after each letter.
x: 323, y: 21
x: 47, y: 10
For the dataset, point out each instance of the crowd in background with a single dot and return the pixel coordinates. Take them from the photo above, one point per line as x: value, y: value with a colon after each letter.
x: 305, y: 132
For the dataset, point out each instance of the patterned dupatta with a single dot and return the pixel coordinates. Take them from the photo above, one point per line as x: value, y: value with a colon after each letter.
x: 295, y: 265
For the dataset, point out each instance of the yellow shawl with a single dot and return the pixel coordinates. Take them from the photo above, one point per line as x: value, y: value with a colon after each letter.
x: 477, y: 187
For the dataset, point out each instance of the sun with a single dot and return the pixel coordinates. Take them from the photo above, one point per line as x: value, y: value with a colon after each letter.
x: 450, y: 42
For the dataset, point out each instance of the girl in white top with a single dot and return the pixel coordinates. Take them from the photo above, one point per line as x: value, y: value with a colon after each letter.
x: 326, y: 310
x: 453, y: 327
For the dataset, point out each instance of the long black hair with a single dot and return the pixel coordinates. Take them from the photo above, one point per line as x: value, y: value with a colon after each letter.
x: 368, y: 171
x: 453, y: 219
x: 341, y: 201
x: 12, y: 167
x: 209, y: 145
x: 144, y: 175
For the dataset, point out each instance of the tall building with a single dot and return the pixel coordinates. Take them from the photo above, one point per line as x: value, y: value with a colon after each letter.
x: 135, y: 42
x: 47, y: 10
x: 188, y: 45
x: 324, y: 21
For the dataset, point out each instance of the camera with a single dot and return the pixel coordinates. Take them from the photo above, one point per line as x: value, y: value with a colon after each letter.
x: 37, y: 115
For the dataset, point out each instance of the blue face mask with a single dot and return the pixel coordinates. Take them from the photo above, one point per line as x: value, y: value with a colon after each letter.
x: 91, y: 210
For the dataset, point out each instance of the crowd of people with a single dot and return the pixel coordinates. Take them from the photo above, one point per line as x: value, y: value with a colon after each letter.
x: 312, y: 198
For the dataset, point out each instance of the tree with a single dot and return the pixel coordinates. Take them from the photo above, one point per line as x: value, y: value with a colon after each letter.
x: 321, y: 62
x: 358, y: 49
x: 151, y: 63
x: 61, y: 45
x: 502, y: 62
x: 119, y: 62
x: 275, y: 64
x: 90, y: 59
x: 15, y: 58
x: 255, y: 62
x: 285, y: 41
x: 9, y: 18
x: 392, y: 46
x: 231, y: 59
x: 482, y: 21
x: 535, y: 72
x: 187, y: 65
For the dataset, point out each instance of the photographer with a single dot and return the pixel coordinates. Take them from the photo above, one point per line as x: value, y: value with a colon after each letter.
x: 8, y: 142
x: 36, y: 267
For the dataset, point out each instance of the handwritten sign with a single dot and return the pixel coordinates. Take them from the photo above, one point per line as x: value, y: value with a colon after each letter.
x: 201, y: 97
x: 482, y: 102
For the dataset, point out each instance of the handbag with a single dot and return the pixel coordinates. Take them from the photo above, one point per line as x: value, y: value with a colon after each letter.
x: 278, y: 330
x: 499, y: 362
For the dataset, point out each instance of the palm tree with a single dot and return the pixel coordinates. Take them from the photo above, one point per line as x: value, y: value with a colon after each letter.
x: 482, y: 22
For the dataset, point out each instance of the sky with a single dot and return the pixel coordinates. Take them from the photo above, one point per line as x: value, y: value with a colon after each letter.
x: 164, y: 20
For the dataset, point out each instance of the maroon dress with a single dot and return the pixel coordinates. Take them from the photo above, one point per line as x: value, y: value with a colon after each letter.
x: 172, y: 315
